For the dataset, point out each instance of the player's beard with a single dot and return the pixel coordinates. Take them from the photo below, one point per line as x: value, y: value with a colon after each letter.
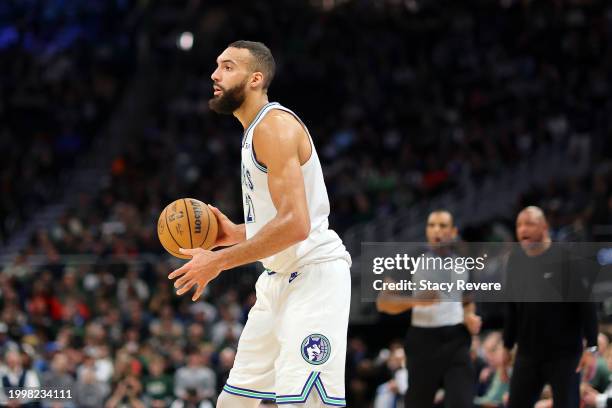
x: 229, y: 100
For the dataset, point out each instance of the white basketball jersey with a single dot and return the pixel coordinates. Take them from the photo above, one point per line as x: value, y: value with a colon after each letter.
x: 322, y: 243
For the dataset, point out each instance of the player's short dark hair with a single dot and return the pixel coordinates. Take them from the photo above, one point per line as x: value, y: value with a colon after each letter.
x: 263, y: 61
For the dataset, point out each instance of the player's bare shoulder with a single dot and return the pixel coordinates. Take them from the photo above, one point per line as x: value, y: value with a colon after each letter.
x: 278, y: 126
x: 280, y: 134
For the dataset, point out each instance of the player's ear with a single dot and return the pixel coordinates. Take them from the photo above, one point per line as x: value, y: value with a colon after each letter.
x: 256, y: 80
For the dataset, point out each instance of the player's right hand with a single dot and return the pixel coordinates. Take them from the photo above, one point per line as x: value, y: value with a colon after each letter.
x: 229, y: 233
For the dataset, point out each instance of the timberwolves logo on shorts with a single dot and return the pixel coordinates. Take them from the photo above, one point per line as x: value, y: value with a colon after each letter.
x: 316, y: 349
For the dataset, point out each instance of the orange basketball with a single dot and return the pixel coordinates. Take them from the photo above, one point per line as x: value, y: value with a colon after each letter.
x: 186, y: 223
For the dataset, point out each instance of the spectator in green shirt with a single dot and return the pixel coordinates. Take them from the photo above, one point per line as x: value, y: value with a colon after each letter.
x: 158, y: 386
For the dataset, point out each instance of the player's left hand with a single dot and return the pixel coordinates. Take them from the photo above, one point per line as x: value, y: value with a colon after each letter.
x: 203, y: 267
x: 587, y: 364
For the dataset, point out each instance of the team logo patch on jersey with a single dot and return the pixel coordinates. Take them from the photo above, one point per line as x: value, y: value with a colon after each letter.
x: 316, y: 349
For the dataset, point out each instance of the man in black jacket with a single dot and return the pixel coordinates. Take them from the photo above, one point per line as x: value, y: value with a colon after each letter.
x: 549, y: 334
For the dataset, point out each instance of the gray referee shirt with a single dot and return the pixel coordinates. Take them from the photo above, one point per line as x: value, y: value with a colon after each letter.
x: 449, y: 310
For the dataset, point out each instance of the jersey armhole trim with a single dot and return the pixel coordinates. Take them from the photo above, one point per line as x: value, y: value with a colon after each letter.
x: 255, y: 122
x: 260, y: 165
x: 257, y: 164
x: 263, y: 110
x: 267, y: 108
x: 308, y: 135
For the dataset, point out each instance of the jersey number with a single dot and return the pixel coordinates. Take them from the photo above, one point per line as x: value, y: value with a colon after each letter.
x: 249, y: 210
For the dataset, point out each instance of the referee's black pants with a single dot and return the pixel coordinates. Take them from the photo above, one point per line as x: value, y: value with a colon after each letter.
x: 531, y: 373
x: 439, y: 358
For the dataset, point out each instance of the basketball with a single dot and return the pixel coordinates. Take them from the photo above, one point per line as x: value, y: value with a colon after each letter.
x: 186, y: 223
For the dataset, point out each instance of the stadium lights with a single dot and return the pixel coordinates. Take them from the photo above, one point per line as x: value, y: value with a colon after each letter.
x: 185, y: 41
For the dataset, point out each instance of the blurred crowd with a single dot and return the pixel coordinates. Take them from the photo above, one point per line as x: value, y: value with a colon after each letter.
x: 116, y: 335
x: 402, y: 102
x: 381, y: 376
x: 403, y: 99
x: 64, y: 64
x: 578, y: 209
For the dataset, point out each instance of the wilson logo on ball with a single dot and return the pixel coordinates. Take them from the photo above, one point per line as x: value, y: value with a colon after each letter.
x: 187, y: 223
x: 197, y: 212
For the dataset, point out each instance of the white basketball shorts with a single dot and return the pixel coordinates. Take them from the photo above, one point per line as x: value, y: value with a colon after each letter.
x: 294, y: 341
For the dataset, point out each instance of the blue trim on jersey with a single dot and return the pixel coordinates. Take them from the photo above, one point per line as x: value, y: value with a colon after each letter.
x: 284, y: 108
x: 261, y: 111
x: 255, y: 162
x: 334, y: 401
x: 292, y: 113
x: 245, y: 392
x: 314, y: 380
x: 300, y: 398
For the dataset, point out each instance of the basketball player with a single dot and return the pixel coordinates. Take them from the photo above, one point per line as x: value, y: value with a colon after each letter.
x: 439, y: 339
x: 292, y: 350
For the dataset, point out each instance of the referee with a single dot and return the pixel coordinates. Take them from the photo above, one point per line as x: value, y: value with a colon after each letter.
x: 549, y: 335
x: 439, y: 338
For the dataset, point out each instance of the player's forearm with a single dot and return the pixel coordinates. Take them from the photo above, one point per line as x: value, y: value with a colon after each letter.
x: 239, y: 234
x: 279, y: 234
